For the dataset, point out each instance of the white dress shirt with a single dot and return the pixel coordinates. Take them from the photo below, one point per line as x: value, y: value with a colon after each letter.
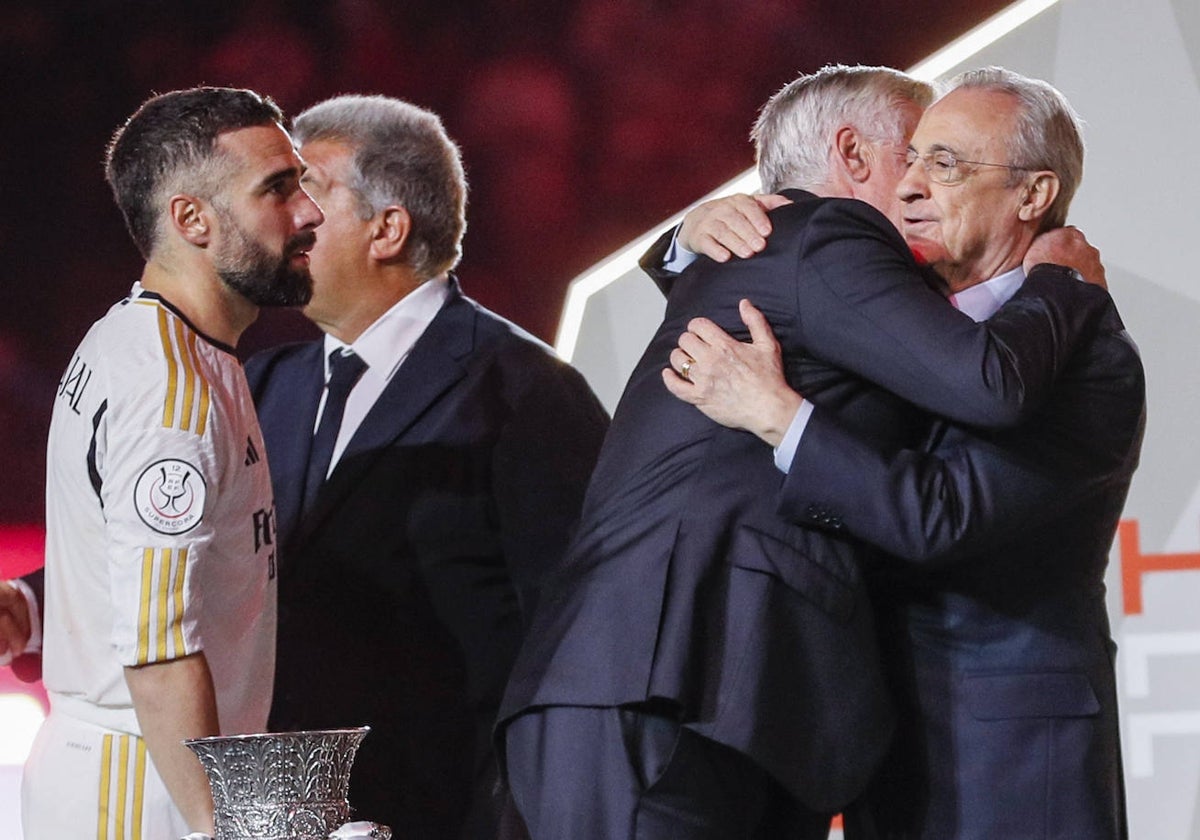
x: 383, y: 346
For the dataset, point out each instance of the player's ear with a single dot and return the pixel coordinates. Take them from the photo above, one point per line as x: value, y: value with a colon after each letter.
x: 188, y: 217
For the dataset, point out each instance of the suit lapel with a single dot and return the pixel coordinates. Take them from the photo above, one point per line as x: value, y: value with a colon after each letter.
x: 287, y: 425
x: 434, y: 365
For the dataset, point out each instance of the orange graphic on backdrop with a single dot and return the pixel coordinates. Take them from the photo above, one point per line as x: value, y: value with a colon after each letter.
x: 1134, y: 564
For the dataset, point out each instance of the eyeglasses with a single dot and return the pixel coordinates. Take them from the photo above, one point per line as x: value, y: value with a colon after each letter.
x: 943, y: 167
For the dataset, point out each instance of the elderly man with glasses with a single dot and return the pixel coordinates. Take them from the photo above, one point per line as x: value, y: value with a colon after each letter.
x: 990, y: 599
x: 701, y: 668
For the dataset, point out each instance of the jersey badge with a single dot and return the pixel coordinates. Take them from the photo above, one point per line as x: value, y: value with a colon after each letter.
x: 169, y: 496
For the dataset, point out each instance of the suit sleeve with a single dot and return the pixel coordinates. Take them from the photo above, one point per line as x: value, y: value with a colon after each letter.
x: 541, y: 466
x: 35, y: 580
x: 651, y: 262
x: 954, y: 500
x: 861, y: 308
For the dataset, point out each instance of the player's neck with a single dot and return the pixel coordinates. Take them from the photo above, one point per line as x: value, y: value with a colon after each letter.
x: 211, y: 307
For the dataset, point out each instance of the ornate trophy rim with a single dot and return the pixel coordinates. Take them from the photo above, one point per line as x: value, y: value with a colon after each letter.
x: 279, y: 785
x: 248, y: 736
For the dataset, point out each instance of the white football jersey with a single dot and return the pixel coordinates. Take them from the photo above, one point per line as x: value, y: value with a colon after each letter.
x: 159, y: 518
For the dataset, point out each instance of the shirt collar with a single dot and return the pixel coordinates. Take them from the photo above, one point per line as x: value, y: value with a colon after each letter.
x: 980, y: 302
x: 386, y: 343
x: 138, y: 292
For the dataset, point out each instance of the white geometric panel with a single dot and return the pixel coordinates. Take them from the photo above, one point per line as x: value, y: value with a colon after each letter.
x: 1126, y: 69
x: 1186, y: 532
x: 1164, y: 324
x: 1187, y: 17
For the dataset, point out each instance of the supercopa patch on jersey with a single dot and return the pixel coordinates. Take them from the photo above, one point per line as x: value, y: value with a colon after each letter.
x: 169, y: 496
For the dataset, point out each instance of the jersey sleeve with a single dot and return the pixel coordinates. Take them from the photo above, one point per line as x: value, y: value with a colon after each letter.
x: 156, y: 471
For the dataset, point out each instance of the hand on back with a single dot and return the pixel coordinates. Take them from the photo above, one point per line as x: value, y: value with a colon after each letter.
x: 735, y: 225
x: 1067, y: 246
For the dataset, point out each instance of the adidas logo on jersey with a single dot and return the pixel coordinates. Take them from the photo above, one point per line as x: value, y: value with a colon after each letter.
x: 252, y: 456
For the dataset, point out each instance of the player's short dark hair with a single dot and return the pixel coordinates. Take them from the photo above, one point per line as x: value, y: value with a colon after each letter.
x: 169, y: 146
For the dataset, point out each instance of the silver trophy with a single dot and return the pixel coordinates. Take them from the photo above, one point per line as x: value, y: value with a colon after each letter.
x: 280, y: 785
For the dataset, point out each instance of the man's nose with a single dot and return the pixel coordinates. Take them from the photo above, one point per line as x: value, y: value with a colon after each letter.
x: 308, y: 214
x: 914, y: 184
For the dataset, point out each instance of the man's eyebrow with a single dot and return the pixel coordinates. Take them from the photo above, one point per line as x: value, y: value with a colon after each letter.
x: 286, y: 174
x: 935, y: 147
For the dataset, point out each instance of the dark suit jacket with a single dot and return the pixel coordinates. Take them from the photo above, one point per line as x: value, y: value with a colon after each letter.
x: 997, y: 630
x: 401, y: 596
x: 36, y: 581
x: 684, y: 584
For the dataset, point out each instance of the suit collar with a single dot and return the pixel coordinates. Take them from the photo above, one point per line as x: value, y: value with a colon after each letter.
x: 797, y: 194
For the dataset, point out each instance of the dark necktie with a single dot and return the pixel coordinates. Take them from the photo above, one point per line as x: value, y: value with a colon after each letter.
x: 344, y: 371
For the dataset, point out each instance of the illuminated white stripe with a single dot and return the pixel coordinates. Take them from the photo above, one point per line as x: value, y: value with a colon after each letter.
x: 618, y: 264
x: 624, y: 260
x: 982, y: 36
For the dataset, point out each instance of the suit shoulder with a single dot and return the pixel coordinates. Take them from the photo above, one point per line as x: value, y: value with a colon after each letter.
x: 818, y: 218
x: 855, y: 214
x: 260, y: 366
x: 496, y: 334
x: 1117, y: 355
x: 528, y: 362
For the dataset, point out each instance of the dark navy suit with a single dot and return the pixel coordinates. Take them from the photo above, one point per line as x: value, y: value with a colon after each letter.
x: 997, y: 636
x: 401, y: 595
x: 683, y: 584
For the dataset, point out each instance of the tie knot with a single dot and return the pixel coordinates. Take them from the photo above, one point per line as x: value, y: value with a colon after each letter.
x: 344, y: 370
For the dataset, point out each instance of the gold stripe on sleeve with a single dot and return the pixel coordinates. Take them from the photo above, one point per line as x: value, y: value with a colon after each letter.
x: 172, y: 373
x: 201, y: 384
x: 177, y: 602
x: 202, y: 420
x: 164, y: 592
x: 139, y: 787
x: 183, y: 342
x: 143, y: 631
x: 122, y: 784
x: 105, y: 787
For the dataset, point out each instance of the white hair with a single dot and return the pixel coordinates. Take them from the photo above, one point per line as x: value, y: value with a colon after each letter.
x: 795, y: 129
x: 1048, y: 134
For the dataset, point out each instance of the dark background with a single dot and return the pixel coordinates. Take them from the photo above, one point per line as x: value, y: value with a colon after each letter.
x: 582, y: 123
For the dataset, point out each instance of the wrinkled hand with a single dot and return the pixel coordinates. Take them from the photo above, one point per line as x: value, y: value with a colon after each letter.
x: 14, y: 622
x: 736, y: 224
x: 1067, y: 246
x: 737, y: 384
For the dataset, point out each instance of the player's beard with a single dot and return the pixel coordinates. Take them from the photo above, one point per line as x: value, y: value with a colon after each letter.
x: 265, y: 279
